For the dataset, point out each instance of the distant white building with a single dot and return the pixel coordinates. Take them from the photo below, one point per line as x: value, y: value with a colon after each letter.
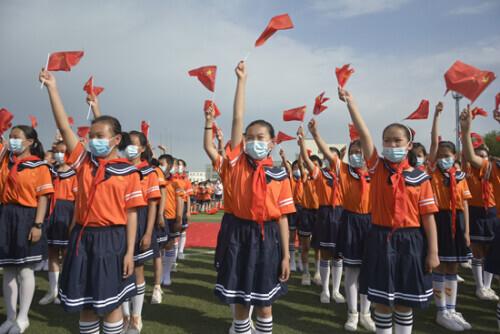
x: 197, y: 176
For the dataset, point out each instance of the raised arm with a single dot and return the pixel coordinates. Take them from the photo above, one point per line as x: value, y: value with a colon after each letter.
x: 468, y: 150
x: 93, y: 102
x: 208, y: 143
x: 60, y: 115
x: 239, y: 105
x: 284, y: 162
x: 360, y: 125
x: 220, y: 142
x: 303, y: 151
x: 322, y: 145
x: 435, y: 134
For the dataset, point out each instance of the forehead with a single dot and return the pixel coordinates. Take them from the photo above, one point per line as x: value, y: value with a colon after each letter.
x: 257, y: 130
x: 101, y: 128
x: 394, y: 132
x: 134, y: 139
x: 17, y: 133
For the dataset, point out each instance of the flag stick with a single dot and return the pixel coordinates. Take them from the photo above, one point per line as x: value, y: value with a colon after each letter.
x: 90, y: 109
x: 246, y: 56
x: 45, y: 68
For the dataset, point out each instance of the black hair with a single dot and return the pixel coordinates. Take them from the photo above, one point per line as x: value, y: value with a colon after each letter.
x: 36, y: 148
x: 295, y: 163
x: 449, y: 145
x: 155, y: 162
x: 147, y: 155
x: 125, y: 141
x: 113, y: 122
x: 403, y: 127
x: 182, y: 162
x: 170, y: 159
x: 317, y: 159
x: 355, y: 142
x: 412, y: 154
x: 334, y: 149
x: 261, y: 122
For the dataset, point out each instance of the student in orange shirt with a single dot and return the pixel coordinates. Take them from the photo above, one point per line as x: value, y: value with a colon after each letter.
x: 182, y: 176
x: 399, y: 255
x: 105, y: 222
x: 452, y: 223
x: 417, y: 157
x: 489, y: 172
x: 61, y: 210
x: 253, y: 252
x: 25, y: 185
x: 137, y: 151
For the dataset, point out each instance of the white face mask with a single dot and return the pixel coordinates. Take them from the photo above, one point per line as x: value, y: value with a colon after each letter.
x: 420, y: 161
x: 163, y: 168
x: 180, y: 169
x: 132, y: 152
x: 257, y: 149
x: 356, y: 160
x: 16, y: 145
x: 59, y: 157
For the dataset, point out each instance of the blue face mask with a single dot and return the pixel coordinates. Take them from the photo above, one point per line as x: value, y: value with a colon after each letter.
x: 257, y: 149
x: 296, y: 173
x: 420, y: 162
x: 394, y: 154
x: 446, y: 163
x: 100, y: 147
x: 16, y: 145
x: 356, y: 160
x: 131, y: 152
x: 59, y: 157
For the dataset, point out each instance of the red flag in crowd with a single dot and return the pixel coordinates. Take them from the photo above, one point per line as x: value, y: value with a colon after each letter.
x: 280, y: 22
x: 34, y: 122
x: 295, y: 114
x: 91, y: 89
x: 283, y: 137
x: 318, y: 104
x: 145, y: 128
x: 64, y: 61
x: 207, y: 105
x: 206, y: 75
x: 83, y: 131
x: 467, y: 80
x: 71, y: 121
x: 478, y: 112
x: 343, y: 74
x: 5, y: 120
x: 422, y: 111
x: 353, y: 132
x: 476, y: 139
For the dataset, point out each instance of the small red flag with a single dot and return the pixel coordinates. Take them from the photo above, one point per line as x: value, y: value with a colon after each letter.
x: 476, y: 139
x: 295, y: 114
x: 422, y: 111
x: 497, y: 101
x: 353, y: 132
x: 71, y: 121
x: 498, y: 138
x: 318, y: 104
x: 478, y: 112
x: 280, y: 22
x: 206, y: 75
x: 5, y: 120
x: 343, y: 74
x: 63, y: 61
x: 34, y: 122
x: 91, y: 89
x: 207, y: 105
x: 283, y: 137
x: 467, y: 80
x: 145, y: 128
x: 83, y: 131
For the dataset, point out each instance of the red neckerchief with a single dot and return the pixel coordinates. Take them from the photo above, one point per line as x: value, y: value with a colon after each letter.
x: 453, y: 199
x: 13, y: 170
x: 259, y: 189
x: 398, y: 190
x: 362, y: 178
x: 98, y: 179
x: 142, y: 164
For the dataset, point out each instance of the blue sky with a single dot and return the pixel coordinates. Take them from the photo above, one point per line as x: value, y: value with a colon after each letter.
x: 140, y: 51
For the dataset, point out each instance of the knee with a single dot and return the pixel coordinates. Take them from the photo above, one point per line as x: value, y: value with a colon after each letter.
x: 382, y: 309
x: 264, y: 312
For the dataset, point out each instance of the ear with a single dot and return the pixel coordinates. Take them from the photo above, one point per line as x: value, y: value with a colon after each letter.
x: 410, y: 146
x: 271, y: 145
x: 118, y: 139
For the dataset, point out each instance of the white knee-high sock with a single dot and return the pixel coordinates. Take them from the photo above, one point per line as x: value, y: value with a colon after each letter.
x: 112, y: 327
x: 182, y: 242
x: 167, y: 266
x: 477, y: 272
x: 264, y: 325
x: 487, y: 278
x: 351, y: 288
x: 250, y: 312
x: 10, y: 291
x: 364, y: 306
x: 383, y: 322
x: 89, y: 327
x: 317, y: 266
x: 336, y: 275
x: 438, y: 286
x: 26, y: 278
x: 138, y: 300
x: 53, y: 282
x: 324, y: 271
x: 176, y: 250
x: 242, y: 326
x: 451, y: 292
x: 404, y: 322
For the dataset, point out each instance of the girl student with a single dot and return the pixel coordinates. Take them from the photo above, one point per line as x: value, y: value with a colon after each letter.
x: 355, y: 223
x: 327, y: 222
x: 418, y: 157
x: 399, y: 255
x: 489, y: 171
x: 61, y: 210
x: 98, y: 271
x: 25, y: 186
x: 253, y: 251
x: 451, y: 193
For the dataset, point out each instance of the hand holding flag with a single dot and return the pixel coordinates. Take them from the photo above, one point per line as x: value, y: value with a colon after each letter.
x: 478, y: 112
x: 210, y: 104
x: 5, y: 120
x: 343, y: 74
x: 83, y: 131
x: 145, y: 128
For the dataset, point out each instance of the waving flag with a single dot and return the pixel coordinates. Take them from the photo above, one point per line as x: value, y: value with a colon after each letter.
x: 353, y: 132
x: 478, y: 112
x: 64, y: 61
x: 280, y: 22
x: 207, y: 105
x: 343, y: 74
x: 91, y: 89
x: 422, y: 111
x: 318, y: 104
x: 296, y: 114
x: 83, y: 131
x: 283, y: 137
x: 145, y: 128
x: 34, y: 122
x: 206, y: 75
x: 5, y: 120
x: 467, y: 80
x: 476, y: 139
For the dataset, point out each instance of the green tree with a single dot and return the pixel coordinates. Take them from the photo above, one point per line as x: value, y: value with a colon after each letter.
x: 490, y: 140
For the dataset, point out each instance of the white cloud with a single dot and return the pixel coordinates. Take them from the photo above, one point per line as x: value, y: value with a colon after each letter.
x: 473, y: 9
x: 351, y: 8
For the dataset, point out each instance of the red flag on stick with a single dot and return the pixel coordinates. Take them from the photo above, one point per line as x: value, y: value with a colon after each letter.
x: 476, y: 139
x: 145, y: 128
x: 5, y: 120
x: 353, y: 132
x: 467, y: 80
x: 280, y: 22
x: 64, y: 61
x: 206, y: 75
x: 318, y: 104
x: 478, y: 112
x: 71, y: 121
x: 343, y: 74
x: 34, y: 122
x: 83, y: 131
x: 207, y: 105
x: 422, y: 111
x: 91, y: 89
x: 296, y: 114
x: 283, y: 137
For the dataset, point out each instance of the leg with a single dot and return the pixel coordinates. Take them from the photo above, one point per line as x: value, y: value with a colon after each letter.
x: 168, y: 261
x: 89, y: 322
x: 403, y: 317
x: 291, y: 247
x: 305, y: 245
x: 182, y: 244
x: 383, y: 319
x: 26, y: 279
x: 477, y: 266
x: 264, y: 324
x: 451, y: 288
x: 351, y: 291
x: 138, y: 300
x: 54, y: 269
x: 10, y: 293
x: 241, y: 320
x: 336, y: 278
x: 156, y: 298
x: 113, y: 322
x: 324, y: 271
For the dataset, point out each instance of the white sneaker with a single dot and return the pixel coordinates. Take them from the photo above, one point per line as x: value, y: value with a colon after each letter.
x: 460, y: 279
x: 351, y: 325
x: 460, y: 319
x: 466, y: 265
x: 293, y: 266
x: 306, y: 279
x: 181, y: 256
x: 324, y: 298
x: 367, y: 322
x: 49, y: 298
x: 317, y: 278
x: 19, y: 327
x: 492, y: 294
x: 484, y: 294
x: 174, y: 267
x: 6, y: 326
x: 337, y: 297
x: 157, y: 295
x: 446, y: 320
x: 57, y: 301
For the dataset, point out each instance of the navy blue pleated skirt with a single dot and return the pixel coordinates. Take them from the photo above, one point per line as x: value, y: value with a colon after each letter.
x: 185, y: 223
x: 172, y: 234
x: 161, y: 234
x: 327, y: 226
x: 353, y: 230
x: 307, y: 220
x: 451, y: 249
x: 482, y: 224
x: 142, y: 256
x: 492, y: 263
x: 294, y: 218
x: 248, y: 265
x: 393, y: 270
x: 93, y: 279
x: 16, y: 222
x: 58, y: 223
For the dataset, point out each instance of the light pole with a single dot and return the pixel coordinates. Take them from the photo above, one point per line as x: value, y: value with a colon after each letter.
x: 457, y: 98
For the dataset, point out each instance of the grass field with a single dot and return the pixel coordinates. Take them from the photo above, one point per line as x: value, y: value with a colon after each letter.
x: 189, y: 306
